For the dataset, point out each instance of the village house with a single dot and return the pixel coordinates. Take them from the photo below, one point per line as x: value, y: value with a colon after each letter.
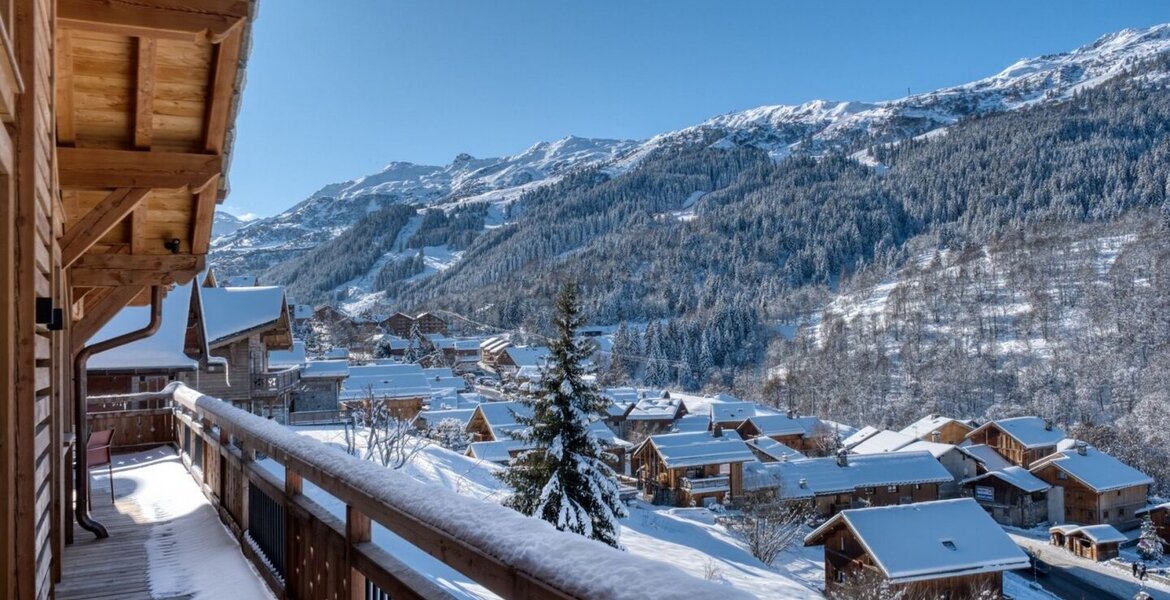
x: 881, y: 441
x: 243, y: 326
x: 986, y: 458
x: 492, y: 421
x: 398, y: 325
x: 1160, y: 516
x: 859, y: 436
x: 402, y: 325
x: 937, y: 428
x: 1094, y: 542
x: 654, y: 413
x: 148, y: 365
x: 943, y: 549
x: 768, y: 450
x: 730, y: 415
x: 428, y: 419
x: 953, y: 458
x: 684, y: 469
x: 515, y: 358
x: 1090, y: 487
x: 1012, y: 496
x: 491, y: 350
x: 320, y: 388
x: 401, y: 388
x: 502, y: 451
x: 808, y: 435
x: 847, y: 481
x: 1021, y: 440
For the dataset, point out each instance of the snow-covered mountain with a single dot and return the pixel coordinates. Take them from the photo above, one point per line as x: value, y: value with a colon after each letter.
x: 816, y: 127
x: 225, y: 223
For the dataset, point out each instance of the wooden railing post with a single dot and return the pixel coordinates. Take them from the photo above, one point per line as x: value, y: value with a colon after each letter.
x: 357, y: 531
x: 247, y: 457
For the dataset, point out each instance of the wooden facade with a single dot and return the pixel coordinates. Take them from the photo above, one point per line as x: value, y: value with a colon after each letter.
x: 686, y: 486
x: 1084, y: 546
x: 1160, y: 517
x: 1007, y: 503
x: 112, y: 160
x: 951, y: 432
x: 1087, y: 506
x: 1009, y: 447
x: 827, y: 505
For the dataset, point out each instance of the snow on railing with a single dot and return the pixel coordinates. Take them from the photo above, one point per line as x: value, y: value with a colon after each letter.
x: 512, y: 555
x: 706, y: 483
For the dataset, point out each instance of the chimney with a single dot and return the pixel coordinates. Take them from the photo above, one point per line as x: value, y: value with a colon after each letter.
x: 1082, y: 448
x: 718, y: 432
x: 792, y: 413
x: 1047, y: 424
x: 803, y: 483
x: 936, y: 436
x: 842, y: 458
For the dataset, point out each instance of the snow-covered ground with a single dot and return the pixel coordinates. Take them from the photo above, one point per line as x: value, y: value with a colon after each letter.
x: 190, y: 554
x: 1105, y: 576
x: 685, y: 537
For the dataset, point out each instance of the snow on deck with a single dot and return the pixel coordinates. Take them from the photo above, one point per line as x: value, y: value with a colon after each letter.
x: 166, y: 539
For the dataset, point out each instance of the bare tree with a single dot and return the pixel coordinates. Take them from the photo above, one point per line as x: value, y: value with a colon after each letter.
x: 768, y: 525
x: 389, y: 439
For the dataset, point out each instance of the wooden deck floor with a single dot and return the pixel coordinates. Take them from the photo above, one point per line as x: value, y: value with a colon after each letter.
x: 116, y: 567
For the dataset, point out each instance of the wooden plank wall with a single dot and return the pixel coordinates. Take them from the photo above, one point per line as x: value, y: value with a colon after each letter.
x: 38, y: 375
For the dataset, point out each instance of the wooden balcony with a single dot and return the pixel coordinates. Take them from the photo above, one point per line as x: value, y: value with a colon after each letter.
x: 314, y: 521
x: 702, y: 485
x: 275, y: 383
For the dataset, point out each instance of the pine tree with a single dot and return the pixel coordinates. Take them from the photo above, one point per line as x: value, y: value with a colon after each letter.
x: 414, y: 349
x: 563, y: 479
x: 1149, y: 545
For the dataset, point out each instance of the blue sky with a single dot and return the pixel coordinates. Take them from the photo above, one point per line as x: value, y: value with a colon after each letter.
x: 338, y: 89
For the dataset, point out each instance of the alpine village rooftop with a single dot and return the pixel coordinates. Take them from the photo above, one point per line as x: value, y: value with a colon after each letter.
x: 119, y: 122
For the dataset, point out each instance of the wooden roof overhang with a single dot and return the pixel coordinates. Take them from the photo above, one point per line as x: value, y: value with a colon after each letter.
x: 146, y: 98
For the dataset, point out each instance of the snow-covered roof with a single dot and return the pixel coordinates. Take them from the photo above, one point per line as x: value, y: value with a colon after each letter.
x: 231, y: 311
x: 1101, y: 534
x: 1152, y: 508
x: 494, y: 344
x: 302, y: 311
x: 283, y: 359
x: 656, y: 409
x: 680, y: 450
x: 773, y: 449
x: 825, y: 476
x: 1016, y: 476
x: 1096, y: 469
x: 499, y: 451
x: 922, y: 427
x: 928, y: 540
x: 860, y: 436
x: 337, y: 353
x: 883, y: 441
x: 1031, y: 432
x: 724, y: 412
x: 446, y: 383
x: 325, y: 369
x: 501, y: 416
x: 163, y: 350
x: 528, y: 356
x: 991, y: 460
x: 241, y: 281
x: 936, y: 449
x: 386, y: 381
x: 432, y: 417
x: 691, y: 424
x: 785, y: 425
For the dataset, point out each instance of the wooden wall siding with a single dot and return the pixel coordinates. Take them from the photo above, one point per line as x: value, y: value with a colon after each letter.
x: 9, y: 84
x: 1085, y: 506
x: 136, y: 428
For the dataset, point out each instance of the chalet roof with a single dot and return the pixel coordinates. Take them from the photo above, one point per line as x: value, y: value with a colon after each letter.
x: 337, y: 354
x: 1018, y: 477
x: 432, y: 417
x: 773, y: 449
x: 528, y: 356
x: 1100, y: 534
x: 679, y: 450
x: 501, y: 416
x: 784, y: 424
x: 386, y: 381
x: 630, y: 394
x: 494, y: 344
x: 1096, y: 469
x: 1030, y: 432
x: 936, y: 449
x: 241, y: 281
x: 930, y: 423
x: 883, y: 441
x: 723, y: 412
x: 283, y: 359
x: 1152, y: 508
x: 165, y: 350
x: 929, y: 540
x: 231, y: 311
x: 325, y: 369
x: 302, y: 311
x: 825, y: 476
x: 860, y: 436
x: 691, y: 424
x: 499, y: 451
x: 987, y: 456
x: 656, y: 409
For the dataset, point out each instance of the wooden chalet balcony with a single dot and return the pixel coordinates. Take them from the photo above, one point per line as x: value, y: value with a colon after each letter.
x: 705, y: 484
x: 313, y: 520
x: 274, y: 383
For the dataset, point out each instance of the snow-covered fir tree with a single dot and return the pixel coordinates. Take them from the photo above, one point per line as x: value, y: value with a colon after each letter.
x: 1149, y: 545
x: 414, y: 349
x: 563, y: 479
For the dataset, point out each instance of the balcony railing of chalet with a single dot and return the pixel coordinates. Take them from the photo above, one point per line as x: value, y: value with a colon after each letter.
x: 315, y: 417
x: 305, y: 551
x: 705, y: 484
x: 275, y: 383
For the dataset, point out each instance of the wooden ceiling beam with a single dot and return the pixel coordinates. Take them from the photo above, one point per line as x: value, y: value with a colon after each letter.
x: 138, y: 223
x: 105, y: 168
x: 226, y: 69
x: 144, y: 98
x: 100, y: 311
x: 134, y: 269
x: 204, y: 218
x: 173, y: 19
x: 96, y: 223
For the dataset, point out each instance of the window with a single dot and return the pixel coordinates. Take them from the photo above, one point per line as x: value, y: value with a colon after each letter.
x: 842, y: 544
x: 1106, y: 515
x: 948, y: 544
x: 918, y: 486
x: 1061, y: 475
x: 893, y: 489
x: 840, y: 576
x: 869, y: 490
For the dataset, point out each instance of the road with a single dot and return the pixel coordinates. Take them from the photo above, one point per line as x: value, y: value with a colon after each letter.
x: 1074, y: 578
x: 1065, y: 585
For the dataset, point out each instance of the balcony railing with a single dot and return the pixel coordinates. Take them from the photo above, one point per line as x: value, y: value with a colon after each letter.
x: 274, y: 383
x: 705, y: 484
x: 305, y: 551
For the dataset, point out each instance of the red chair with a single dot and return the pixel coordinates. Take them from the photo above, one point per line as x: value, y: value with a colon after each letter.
x: 97, y: 452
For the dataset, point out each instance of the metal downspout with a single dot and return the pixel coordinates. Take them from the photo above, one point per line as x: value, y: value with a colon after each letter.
x: 81, y: 472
